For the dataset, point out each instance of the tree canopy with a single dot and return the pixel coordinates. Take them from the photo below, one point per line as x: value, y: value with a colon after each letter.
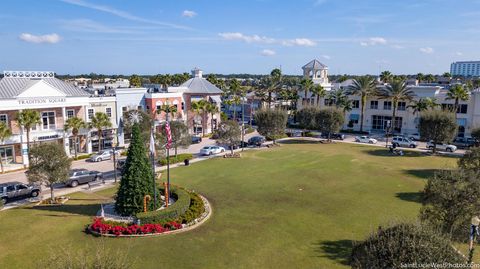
x: 229, y: 132
x: 271, y: 123
x: 438, y: 126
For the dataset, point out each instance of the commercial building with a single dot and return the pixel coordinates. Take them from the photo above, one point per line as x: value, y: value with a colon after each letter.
x: 465, y: 69
x: 318, y: 73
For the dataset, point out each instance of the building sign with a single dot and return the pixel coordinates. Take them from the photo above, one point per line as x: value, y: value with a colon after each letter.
x: 35, y: 101
x: 98, y: 104
x: 47, y: 137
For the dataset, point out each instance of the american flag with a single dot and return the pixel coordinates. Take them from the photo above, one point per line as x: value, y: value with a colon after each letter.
x: 169, y: 134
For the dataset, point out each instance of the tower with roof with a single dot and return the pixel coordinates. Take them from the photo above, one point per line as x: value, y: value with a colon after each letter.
x: 316, y: 71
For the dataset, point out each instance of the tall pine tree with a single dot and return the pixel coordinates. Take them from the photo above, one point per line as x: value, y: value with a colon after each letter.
x: 137, y: 178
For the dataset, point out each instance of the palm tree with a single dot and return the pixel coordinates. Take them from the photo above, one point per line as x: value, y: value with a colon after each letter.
x: 74, y: 124
x: 429, y: 78
x: 100, y: 121
x: 386, y: 76
x: 211, y: 109
x: 364, y: 87
x: 458, y: 93
x: 306, y: 86
x: 396, y: 91
x: 420, y: 77
x: 28, y: 119
x: 270, y: 85
x: 5, y: 133
x: 345, y: 104
x: 423, y: 104
x: 197, y: 108
x: 319, y: 92
x: 168, y: 109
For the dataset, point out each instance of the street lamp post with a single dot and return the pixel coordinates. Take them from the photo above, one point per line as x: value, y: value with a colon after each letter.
x: 243, y: 121
x: 152, y: 156
x: 388, y: 127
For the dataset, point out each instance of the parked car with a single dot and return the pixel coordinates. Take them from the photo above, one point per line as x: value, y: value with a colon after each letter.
x: 82, y: 176
x: 239, y: 144
x: 400, y: 141
x: 365, y: 139
x: 210, y: 150
x: 13, y: 190
x: 464, y: 142
x: 335, y: 136
x: 196, y: 139
x: 256, y: 141
x: 413, y: 137
x: 103, y: 155
x: 442, y: 146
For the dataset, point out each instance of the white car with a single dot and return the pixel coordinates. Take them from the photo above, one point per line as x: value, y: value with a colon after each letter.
x: 210, y: 150
x: 442, y: 146
x: 365, y: 139
x: 103, y: 155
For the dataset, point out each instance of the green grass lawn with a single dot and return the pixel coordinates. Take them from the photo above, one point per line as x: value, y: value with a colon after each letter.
x: 294, y: 206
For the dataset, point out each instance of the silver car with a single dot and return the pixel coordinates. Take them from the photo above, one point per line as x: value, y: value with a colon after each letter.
x: 210, y: 150
x: 13, y: 190
x: 442, y: 146
x: 404, y: 142
x: 102, y: 155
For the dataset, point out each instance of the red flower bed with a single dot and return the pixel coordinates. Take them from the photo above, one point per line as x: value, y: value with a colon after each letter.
x: 104, y: 228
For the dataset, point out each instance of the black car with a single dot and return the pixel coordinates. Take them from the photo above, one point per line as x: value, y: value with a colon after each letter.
x: 256, y: 141
x: 239, y: 144
x: 13, y: 190
x: 196, y: 139
x: 335, y: 136
x: 81, y: 176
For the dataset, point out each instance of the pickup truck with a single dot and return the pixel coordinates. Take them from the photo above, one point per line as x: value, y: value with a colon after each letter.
x: 13, y: 190
x: 464, y: 142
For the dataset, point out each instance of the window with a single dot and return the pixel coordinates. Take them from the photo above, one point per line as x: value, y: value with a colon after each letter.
x: 48, y: 120
x: 354, y: 118
x: 355, y: 104
x: 4, y: 118
x: 108, y: 111
x: 387, y: 105
x: 373, y: 104
x: 70, y: 113
x: 124, y: 109
x: 91, y: 113
x: 462, y: 109
x: 159, y: 107
x: 183, y: 106
x: 139, y: 107
x: 401, y: 106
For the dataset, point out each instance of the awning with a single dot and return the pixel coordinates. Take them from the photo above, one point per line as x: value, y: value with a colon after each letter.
x: 216, y: 99
x: 354, y: 117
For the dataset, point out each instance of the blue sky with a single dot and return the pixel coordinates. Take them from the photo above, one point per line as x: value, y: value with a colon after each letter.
x: 249, y: 36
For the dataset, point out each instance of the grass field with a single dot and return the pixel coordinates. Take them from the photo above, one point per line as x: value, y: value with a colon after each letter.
x: 296, y: 206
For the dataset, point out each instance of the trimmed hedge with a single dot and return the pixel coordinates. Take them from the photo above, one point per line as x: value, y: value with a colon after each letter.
x: 82, y: 157
x: 177, y: 159
x: 171, y: 213
x: 195, y: 210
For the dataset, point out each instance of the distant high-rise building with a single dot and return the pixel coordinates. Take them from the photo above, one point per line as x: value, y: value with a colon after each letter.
x: 466, y: 69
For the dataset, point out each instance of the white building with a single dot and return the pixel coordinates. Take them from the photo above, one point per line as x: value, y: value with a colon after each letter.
x: 466, y: 69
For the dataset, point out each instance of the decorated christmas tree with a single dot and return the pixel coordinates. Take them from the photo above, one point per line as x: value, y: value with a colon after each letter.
x: 137, y: 177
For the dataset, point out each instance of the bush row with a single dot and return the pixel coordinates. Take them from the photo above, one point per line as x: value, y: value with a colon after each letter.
x: 177, y: 159
x: 195, y: 210
x: 82, y: 157
x: 173, y: 212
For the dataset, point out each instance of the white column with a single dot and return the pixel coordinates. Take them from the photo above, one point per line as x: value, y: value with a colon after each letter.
x: 66, y: 141
x: 89, y: 140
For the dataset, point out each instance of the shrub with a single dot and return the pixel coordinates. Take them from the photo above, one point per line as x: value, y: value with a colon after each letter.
x: 124, y: 153
x: 470, y: 160
x: 451, y: 200
x: 103, y: 227
x: 1, y: 204
x: 177, y: 159
x: 249, y: 130
x: 404, y: 244
x: 195, y: 210
x: 171, y: 213
x: 82, y: 157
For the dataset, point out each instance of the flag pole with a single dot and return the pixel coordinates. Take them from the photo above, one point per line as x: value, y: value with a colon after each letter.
x: 152, y: 156
x: 168, y: 159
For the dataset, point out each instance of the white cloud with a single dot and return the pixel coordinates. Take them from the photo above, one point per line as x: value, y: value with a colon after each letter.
x: 458, y: 53
x: 305, y: 42
x: 189, y: 13
x: 267, y: 52
x: 326, y: 57
x: 247, y: 38
x: 122, y: 14
x: 50, y: 38
x: 427, y: 50
x: 372, y: 41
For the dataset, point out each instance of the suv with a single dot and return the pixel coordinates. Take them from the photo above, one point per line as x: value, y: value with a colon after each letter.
x: 335, y: 136
x: 442, y: 146
x: 256, y: 141
x: 400, y: 141
x: 81, y: 176
x: 12, y: 190
x: 464, y: 142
